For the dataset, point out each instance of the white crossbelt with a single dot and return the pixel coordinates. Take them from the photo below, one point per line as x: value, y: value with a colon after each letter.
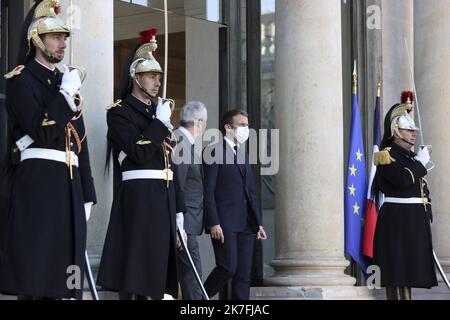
x: 48, y: 154
x: 406, y: 200
x: 148, y: 174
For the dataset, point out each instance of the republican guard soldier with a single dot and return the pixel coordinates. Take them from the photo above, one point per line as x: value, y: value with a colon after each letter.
x: 52, y: 186
x: 403, y: 244
x: 139, y: 255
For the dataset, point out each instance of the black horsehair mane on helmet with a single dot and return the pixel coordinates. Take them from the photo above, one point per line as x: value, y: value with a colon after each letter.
x: 25, y: 53
x: 126, y: 85
x: 386, y: 142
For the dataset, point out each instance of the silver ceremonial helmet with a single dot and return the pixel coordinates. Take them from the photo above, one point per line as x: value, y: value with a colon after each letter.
x: 144, y: 61
x: 402, y: 119
x: 46, y: 20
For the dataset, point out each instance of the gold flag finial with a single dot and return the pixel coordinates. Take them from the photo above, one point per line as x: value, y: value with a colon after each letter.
x: 379, y: 88
x: 355, y: 80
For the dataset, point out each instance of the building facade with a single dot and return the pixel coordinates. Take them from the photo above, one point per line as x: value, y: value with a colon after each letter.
x: 289, y: 64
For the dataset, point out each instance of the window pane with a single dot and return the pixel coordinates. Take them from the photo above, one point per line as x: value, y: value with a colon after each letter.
x: 210, y: 10
x: 138, y: 2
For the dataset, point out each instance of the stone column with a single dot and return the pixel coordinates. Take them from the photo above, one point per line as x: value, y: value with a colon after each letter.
x: 433, y: 82
x: 92, y: 41
x: 202, y: 84
x: 397, y: 24
x: 309, y: 219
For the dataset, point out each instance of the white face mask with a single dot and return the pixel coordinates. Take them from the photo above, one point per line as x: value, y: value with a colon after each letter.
x: 242, y: 134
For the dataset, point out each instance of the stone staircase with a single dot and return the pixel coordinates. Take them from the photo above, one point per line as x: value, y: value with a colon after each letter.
x: 341, y: 293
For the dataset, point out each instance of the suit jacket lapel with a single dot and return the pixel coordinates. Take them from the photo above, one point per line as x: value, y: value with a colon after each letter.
x: 230, y: 158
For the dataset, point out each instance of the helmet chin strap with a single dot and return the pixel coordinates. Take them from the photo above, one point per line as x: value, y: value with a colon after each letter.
x: 399, y: 135
x: 144, y: 91
x: 410, y: 143
x: 39, y: 43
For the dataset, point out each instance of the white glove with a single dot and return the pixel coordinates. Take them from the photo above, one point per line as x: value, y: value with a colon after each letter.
x: 180, y: 226
x: 87, y: 209
x: 423, y: 156
x: 70, y: 101
x: 164, y: 113
x: 71, y: 82
x: 180, y: 221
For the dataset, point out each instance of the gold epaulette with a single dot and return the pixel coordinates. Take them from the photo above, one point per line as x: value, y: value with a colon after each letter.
x: 17, y: 70
x: 383, y: 157
x: 115, y: 104
x: 143, y: 142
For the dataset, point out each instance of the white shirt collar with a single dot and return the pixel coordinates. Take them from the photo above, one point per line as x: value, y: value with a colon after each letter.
x: 54, y: 68
x: 230, y: 143
x: 187, y: 134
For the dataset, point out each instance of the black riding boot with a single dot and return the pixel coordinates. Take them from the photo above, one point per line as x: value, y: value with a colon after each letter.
x: 406, y: 293
x: 393, y: 293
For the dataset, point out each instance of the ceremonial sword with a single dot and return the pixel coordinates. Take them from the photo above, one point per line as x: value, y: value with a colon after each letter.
x: 191, y: 262
x: 90, y: 277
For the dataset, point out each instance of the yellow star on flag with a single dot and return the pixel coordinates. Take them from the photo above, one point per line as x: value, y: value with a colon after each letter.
x: 353, y: 170
x: 356, y: 208
x: 359, y: 155
x: 352, y: 190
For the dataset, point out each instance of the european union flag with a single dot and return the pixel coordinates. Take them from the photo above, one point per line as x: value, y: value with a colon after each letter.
x: 355, y: 191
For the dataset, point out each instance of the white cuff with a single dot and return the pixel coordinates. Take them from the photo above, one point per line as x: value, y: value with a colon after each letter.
x: 70, y: 100
x: 87, y: 209
x: 180, y: 221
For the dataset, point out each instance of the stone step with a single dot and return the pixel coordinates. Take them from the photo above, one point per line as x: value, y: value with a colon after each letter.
x: 440, y: 292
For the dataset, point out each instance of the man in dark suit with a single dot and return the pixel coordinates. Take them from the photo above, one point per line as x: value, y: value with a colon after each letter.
x: 233, y: 216
x: 189, y: 173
